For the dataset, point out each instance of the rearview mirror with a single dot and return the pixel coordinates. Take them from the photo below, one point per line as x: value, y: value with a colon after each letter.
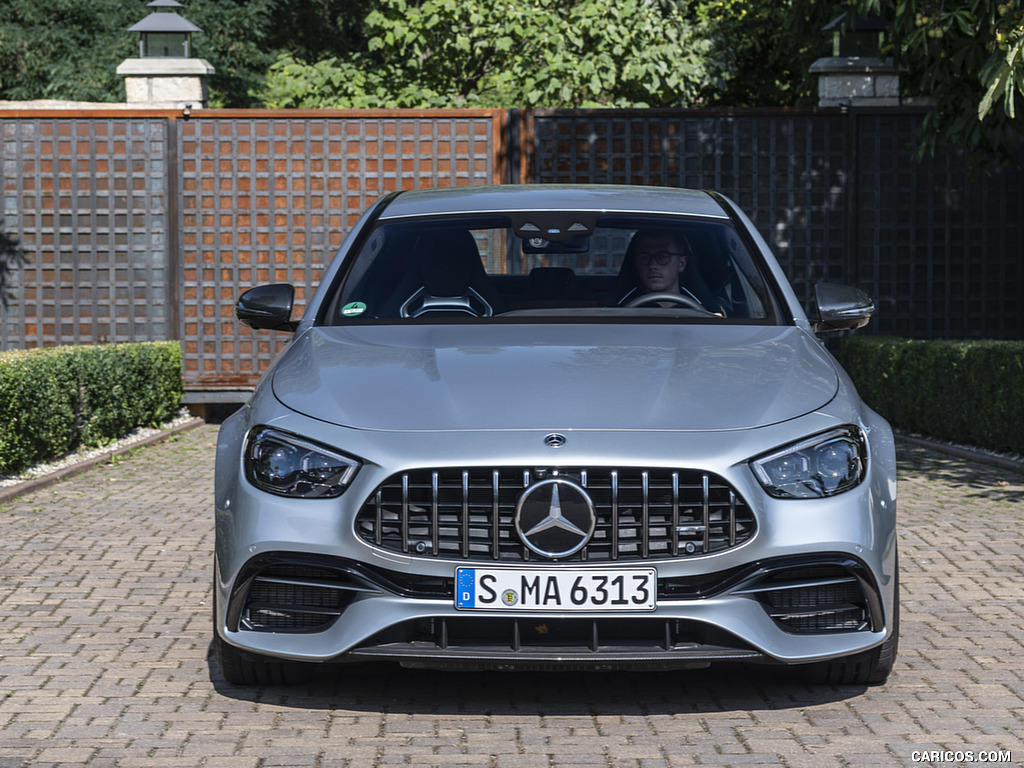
x: 267, y: 307
x: 841, y: 308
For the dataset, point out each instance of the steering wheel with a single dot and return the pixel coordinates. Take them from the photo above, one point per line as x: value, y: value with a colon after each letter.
x: 675, y: 298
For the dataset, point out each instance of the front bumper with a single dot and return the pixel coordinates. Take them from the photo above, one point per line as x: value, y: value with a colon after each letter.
x: 816, y: 582
x: 784, y: 610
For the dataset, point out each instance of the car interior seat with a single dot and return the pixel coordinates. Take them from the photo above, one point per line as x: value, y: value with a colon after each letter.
x: 447, y: 278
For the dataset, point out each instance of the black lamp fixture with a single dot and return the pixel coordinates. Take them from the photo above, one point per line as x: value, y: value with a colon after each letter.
x: 857, y: 36
x: 164, y: 34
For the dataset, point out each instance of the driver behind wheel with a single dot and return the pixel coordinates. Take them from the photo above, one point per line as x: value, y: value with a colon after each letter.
x: 659, y: 258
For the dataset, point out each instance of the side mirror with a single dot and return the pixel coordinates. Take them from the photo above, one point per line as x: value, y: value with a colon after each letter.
x: 841, y: 308
x: 267, y: 307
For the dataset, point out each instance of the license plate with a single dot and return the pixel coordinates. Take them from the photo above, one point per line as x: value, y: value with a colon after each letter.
x: 512, y: 589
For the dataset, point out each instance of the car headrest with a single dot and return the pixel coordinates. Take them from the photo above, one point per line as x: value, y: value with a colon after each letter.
x: 448, y: 262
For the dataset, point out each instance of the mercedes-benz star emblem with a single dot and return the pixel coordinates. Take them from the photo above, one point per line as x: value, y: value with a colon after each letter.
x: 554, y: 440
x: 555, y: 518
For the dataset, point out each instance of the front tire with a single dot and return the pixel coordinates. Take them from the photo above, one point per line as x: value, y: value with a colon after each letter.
x: 244, y: 668
x: 868, y: 668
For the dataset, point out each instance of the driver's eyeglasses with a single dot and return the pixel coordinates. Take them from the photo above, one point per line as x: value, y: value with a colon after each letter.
x: 661, y: 258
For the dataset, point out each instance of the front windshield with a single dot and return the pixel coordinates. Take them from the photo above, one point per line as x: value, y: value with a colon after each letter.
x: 500, y: 268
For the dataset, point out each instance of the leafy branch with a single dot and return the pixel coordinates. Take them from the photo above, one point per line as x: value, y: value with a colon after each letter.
x: 967, y: 59
x: 11, y: 255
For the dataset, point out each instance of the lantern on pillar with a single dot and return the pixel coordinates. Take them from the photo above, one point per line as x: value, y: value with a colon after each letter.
x: 856, y: 74
x: 165, y: 76
x: 164, y: 34
x: 857, y: 36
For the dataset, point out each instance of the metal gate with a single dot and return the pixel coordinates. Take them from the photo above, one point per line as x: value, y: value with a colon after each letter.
x: 88, y: 200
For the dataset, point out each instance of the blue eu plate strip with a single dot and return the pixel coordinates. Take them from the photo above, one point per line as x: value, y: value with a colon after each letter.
x: 465, y: 595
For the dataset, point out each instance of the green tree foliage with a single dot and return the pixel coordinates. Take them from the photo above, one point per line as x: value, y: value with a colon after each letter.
x: 65, y: 49
x: 318, y: 29
x: 1004, y: 72
x: 70, y: 49
x: 513, y: 53
x: 234, y: 40
x: 772, y: 44
x: 967, y: 59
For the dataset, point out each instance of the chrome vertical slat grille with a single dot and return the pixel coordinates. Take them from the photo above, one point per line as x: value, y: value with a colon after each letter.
x: 469, y: 514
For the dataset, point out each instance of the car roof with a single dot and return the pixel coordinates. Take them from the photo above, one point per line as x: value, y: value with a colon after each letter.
x: 597, y: 198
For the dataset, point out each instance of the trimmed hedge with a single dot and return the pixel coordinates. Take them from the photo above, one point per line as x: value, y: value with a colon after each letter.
x: 960, y: 391
x: 54, y: 400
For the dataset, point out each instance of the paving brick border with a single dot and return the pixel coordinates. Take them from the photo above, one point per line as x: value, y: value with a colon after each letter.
x: 965, y: 452
x: 78, y: 467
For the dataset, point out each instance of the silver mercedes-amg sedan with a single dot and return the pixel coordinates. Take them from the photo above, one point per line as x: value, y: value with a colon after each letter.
x: 573, y: 427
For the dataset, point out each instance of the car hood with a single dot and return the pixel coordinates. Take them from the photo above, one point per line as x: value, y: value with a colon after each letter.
x: 548, y: 377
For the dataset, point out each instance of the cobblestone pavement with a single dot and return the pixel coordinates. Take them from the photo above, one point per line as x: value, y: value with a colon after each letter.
x: 104, y: 654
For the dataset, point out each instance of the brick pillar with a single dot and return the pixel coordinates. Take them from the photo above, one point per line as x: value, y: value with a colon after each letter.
x: 165, y: 83
x: 857, y: 81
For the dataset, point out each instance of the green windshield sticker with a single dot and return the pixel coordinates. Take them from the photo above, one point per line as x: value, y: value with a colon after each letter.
x: 353, y: 309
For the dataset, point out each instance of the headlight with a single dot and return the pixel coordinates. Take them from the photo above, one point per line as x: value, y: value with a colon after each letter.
x: 288, y: 465
x: 820, y: 466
